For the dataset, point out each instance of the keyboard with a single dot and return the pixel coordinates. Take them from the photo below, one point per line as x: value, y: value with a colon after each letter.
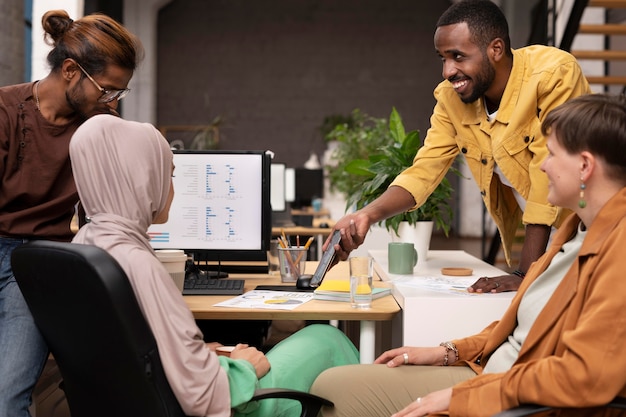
x: 212, y: 286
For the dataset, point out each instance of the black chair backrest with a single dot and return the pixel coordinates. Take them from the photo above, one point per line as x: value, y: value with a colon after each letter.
x: 86, y: 309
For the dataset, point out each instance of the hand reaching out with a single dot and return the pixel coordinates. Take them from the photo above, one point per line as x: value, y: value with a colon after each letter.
x: 354, y: 228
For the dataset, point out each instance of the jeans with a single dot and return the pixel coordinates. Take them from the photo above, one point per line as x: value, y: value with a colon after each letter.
x: 23, y: 352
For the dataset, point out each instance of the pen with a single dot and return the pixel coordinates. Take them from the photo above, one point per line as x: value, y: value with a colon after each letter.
x: 306, y: 247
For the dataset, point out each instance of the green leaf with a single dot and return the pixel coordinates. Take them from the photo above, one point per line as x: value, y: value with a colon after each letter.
x: 396, y: 128
x: 359, y: 167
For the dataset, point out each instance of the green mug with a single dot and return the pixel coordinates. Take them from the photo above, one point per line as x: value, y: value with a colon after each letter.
x: 402, y: 258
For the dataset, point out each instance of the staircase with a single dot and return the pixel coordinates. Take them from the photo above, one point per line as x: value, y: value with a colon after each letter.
x: 614, y: 32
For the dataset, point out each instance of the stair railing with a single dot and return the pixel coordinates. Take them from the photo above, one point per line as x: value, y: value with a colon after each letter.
x: 545, y: 16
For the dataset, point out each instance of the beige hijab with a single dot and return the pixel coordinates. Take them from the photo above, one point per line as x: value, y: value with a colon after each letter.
x: 123, y: 171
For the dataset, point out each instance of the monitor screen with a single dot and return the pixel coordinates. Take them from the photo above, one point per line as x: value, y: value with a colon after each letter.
x: 309, y: 185
x: 221, y: 208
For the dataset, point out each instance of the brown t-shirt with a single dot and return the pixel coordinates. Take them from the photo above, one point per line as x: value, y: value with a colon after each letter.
x: 37, y: 194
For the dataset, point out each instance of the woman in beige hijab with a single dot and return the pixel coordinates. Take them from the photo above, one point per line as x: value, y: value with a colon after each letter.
x: 123, y: 174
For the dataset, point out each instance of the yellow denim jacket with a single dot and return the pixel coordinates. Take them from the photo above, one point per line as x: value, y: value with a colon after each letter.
x: 542, y: 77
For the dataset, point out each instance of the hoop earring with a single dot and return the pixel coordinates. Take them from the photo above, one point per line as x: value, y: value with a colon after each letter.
x: 582, y: 203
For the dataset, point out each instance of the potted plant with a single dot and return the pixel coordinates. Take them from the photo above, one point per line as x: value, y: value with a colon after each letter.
x: 376, y: 172
x: 351, y: 137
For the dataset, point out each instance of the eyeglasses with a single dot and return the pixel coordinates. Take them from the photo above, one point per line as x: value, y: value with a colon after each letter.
x: 107, y: 95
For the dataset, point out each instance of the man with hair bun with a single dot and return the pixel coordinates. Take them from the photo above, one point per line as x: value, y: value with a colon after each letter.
x: 91, y: 63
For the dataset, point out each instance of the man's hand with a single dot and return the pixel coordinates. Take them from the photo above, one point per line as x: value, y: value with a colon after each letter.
x: 500, y: 283
x: 353, y: 228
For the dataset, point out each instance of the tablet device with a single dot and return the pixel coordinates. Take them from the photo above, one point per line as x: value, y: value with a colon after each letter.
x: 326, y: 262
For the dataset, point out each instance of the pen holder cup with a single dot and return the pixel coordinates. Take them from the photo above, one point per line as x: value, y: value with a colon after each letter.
x: 292, y: 262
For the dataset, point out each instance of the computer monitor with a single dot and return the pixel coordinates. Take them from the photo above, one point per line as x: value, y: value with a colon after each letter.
x: 221, y: 208
x: 309, y: 185
x: 282, y: 194
x: 277, y: 187
x: 290, y: 185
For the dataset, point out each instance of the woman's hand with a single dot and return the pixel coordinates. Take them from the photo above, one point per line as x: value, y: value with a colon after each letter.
x: 254, y: 356
x: 434, y: 402
x: 500, y: 283
x: 213, y: 345
x: 412, y: 356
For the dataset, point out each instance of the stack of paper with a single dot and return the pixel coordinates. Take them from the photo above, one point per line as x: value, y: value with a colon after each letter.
x: 268, y: 300
x: 339, y: 290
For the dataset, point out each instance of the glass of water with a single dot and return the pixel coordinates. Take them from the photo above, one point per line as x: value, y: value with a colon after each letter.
x: 361, y: 269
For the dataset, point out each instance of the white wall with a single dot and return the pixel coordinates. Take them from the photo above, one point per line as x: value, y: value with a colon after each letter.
x: 140, y: 17
x: 75, y: 8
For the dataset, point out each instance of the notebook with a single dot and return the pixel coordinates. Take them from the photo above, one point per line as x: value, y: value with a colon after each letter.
x: 339, y: 290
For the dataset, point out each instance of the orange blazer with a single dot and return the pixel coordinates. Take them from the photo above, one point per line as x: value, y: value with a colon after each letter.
x: 574, y: 353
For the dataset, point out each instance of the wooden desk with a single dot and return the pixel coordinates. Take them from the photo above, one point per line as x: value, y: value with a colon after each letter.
x: 308, y: 211
x: 302, y: 231
x: 383, y: 309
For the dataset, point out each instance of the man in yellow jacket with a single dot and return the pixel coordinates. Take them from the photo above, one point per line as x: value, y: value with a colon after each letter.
x: 489, y: 108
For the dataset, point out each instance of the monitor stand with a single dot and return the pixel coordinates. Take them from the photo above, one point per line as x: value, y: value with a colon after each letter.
x: 192, y: 268
x: 215, y: 274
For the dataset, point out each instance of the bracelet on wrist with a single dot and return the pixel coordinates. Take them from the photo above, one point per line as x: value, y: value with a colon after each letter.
x: 449, y: 347
x: 519, y: 273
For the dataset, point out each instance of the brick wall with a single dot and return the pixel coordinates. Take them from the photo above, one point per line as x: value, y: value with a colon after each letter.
x: 11, y: 42
x: 274, y: 69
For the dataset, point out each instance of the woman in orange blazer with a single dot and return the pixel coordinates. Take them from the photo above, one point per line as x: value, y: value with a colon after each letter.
x: 561, y: 341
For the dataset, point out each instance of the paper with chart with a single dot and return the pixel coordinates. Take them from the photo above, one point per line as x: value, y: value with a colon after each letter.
x: 268, y: 300
x: 447, y: 284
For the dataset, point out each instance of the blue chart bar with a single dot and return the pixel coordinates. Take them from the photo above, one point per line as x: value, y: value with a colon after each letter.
x: 208, y: 232
x: 209, y: 172
x: 230, y: 180
x: 222, y: 221
x: 231, y: 223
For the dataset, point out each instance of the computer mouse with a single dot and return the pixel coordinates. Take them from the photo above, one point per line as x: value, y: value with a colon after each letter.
x: 304, y: 282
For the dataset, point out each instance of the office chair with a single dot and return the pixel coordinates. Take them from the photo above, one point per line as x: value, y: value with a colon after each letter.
x: 86, y: 310
x: 532, y: 409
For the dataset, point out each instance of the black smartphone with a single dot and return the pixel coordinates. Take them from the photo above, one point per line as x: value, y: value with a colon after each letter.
x: 314, y: 281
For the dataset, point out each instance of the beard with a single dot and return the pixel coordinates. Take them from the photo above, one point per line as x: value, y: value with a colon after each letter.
x: 77, y: 101
x: 482, y: 82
